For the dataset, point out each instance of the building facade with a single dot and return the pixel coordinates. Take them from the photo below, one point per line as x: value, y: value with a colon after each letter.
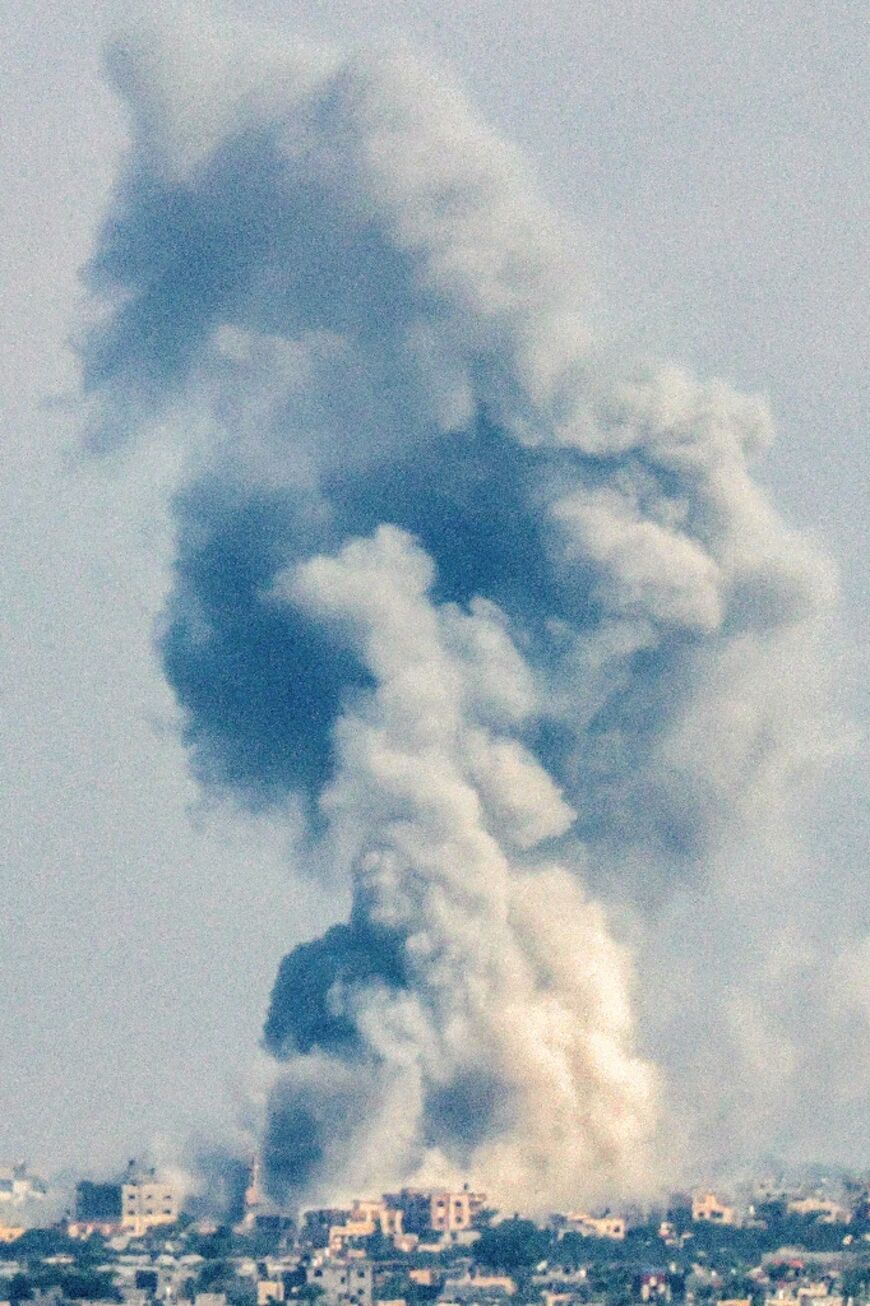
x: 148, y: 1204
x: 707, y: 1208
x: 454, y: 1212
x: 343, y: 1283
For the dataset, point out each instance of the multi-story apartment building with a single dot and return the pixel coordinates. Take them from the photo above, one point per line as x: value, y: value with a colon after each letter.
x: 343, y: 1283
x: 454, y: 1212
x: 441, y: 1210
x: 148, y: 1204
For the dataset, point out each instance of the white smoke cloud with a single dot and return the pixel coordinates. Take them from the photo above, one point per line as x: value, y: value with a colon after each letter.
x: 515, y: 977
x: 342, y: 293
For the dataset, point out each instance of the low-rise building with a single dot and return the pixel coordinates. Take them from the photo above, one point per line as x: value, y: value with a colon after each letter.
x: 549, y: 1297
x: 135, y: 1296
x: 406, y: 1243
x: 561, y: 1277
x: 474, y: 1285
x: 367, y: 1217
x: 654, y: 1285
x: 84, y: 1229
x: 596, y: 1226
x: 269, y: 1290
x: 317, y: 1222
x: 423, y: 1275
x: 707, y: 1208
x: 19, y: 1185
x: 824, y: 1209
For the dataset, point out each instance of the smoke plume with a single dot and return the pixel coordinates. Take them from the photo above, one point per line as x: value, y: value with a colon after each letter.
x: 504, y: 611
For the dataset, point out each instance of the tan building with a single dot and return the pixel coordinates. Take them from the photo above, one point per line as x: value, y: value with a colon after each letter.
x: 269, y: 1290
x: 826, y: 1211
x: 597, y: 1226
x: 148, y: 1204
x: 473, y: 1283
x: 454, y: 1212
x: 10, y: 1233
x: 340, y: 1234
x: 367, y: 1209
x: 87, y: 1228
x: 367, y: 1216
x: 707, y: 1208
x: 406, y: 1242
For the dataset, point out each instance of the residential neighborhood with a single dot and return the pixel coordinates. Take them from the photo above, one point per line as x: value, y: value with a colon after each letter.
x: 137, y: 1241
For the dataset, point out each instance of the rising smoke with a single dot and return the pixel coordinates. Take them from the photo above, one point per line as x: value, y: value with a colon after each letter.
x: 509, y: 617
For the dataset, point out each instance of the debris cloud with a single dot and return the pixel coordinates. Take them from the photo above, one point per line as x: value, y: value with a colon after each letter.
x: 508, y: 614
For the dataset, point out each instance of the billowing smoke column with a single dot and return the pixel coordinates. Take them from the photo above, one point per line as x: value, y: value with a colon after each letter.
x: 504, y: 613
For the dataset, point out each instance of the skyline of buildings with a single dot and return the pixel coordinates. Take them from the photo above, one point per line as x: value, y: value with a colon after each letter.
x: 133, y: 1243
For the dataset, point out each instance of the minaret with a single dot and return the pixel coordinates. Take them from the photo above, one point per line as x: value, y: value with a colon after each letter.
x: 253, y: 1196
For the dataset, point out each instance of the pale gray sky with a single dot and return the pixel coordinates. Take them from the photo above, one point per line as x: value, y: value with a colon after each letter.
x: 714, y: 154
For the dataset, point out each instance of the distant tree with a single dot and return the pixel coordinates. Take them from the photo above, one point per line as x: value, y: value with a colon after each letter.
x: 512, y: 1245
x: 393, y: 1286
x: 258, y: 1242
x: 856, y: 1282
x: 680, y: 1217
x: 484, y: 1217
x: 377, y: 1247
x: 20, y: 1288
x: 211, y: 1246
x: 215, y: 1276
x: 571, y: 1250
x: 98, y: 1201
x: 36, y: 1243
x: 241, y: 1292
x: 76, y: 1283
x: 308, y: 1292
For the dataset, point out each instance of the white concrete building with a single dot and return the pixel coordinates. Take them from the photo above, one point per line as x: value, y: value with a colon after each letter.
x: 18, y: 1185
x: 344, y: 1283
